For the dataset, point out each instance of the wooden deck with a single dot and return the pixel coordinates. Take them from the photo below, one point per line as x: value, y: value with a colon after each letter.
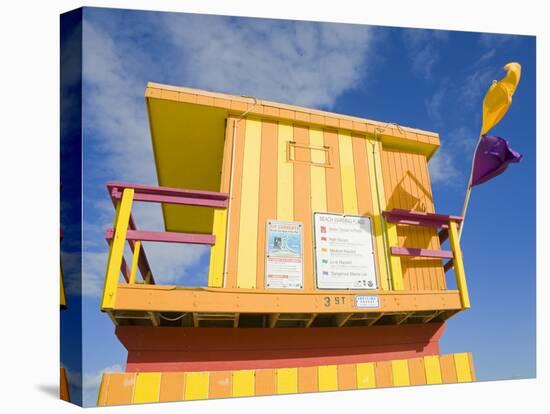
x: 141, y: 304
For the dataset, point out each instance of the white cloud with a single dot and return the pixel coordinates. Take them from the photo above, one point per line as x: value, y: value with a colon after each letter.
x: 434, y: 103
x: 302, y: 63
x: 296, y: 62
x: 423, y: 49
x: 476, y: 85
x: 442, y: 168
x: 456, y: 150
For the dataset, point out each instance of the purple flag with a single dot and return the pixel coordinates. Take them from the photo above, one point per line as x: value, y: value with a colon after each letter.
x: 492, y: 157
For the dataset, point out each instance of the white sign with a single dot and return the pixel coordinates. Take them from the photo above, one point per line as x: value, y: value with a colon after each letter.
x: 367, y: 301
x: 344, y: 252
x: 284, y: 258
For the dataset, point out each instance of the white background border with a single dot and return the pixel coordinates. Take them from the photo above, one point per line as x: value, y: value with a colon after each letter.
x: 29, y: 162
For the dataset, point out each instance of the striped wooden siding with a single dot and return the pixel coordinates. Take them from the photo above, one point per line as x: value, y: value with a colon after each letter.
x: 289, y: 184
x: 133, y: 388
x: 287, y: 172
x: 407, y: 186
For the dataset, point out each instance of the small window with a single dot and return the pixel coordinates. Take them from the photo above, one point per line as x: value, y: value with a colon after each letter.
x: 309, y: 154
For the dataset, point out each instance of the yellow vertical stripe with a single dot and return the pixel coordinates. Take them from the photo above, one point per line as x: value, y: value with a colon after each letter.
x: 377, y: 214
x: 460, y: 275
x: 217, y: 253
x: 328, y: 377
x: 400, y: 372
x: 243, y: 383
x: 287, y: 380
x: 196, y: 385
x: 147, y: 388
x: 285, y: 174
x: 318, y: 181
x: 365, y: 375
x: 135, y: 260
x: 433, y: 369
x: 116, y: 252
x: 462, y: 365
x: 347, y: 173
x: 248, y: 225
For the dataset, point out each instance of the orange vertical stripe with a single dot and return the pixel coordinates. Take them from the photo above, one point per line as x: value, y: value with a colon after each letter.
x: 231, y: 281
x: 363, y: 187
x: 121, y: 388
x: 383, y: 374
x: 448, y: 369
x: 308, y: 379
x: 172, y: 385
x: 220, y: 384
x: 472, y: 368
x: 347, y: 377
x: 266, y: 381
x: 417, y: 373
x: 334, y: 182
x: 268, y: 193
x: 302, y: 201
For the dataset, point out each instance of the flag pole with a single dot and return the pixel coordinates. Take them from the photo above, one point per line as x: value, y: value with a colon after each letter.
x: 468, y: 190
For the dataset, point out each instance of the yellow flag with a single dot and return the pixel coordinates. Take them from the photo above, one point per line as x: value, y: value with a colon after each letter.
x: 499, y: 97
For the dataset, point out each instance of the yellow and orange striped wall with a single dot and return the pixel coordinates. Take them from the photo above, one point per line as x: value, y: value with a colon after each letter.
x: 286, y: 171
x: 148, y: 387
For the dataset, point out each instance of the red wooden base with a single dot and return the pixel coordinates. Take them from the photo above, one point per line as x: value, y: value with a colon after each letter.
x: 207, y: 349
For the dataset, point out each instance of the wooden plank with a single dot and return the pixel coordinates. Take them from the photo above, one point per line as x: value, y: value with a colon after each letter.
x: 101, y: 395
x: 463, y: 368
x: 243, y: 383
x: 165, y: 237
x: 318, y: 177
x: 448, y: 369
x: 167, y: 299
x: 378, y: 200
x: 308, y: 380
x: 342, y: 318
x: 459, y: 266
x: 116, y: 253
x: 400, y: 372
x: 285, y: 174
x: 365, y: 196
x: 135, y: 259
x: 236, y: 198
x: 333, y: 176
x: 287, y: 380
x: 172, y: 385
x: 347, y: 377
x: 328, y: 377
x: 347, y: 171
x: 416, y: 252
x: 433, y: 369
x: 417, y: 373
x: 220, y: 384
x: 120, y: 388
x: 196, y: 385
x: 268, y: 193
x: 266, y: 381
x: 392, y: 239
x: 366, y: 377
x: 248, y: 225
x: 383, y: 373
x: 302, y: 204
x: 217, y: 252
x: 147, y: 389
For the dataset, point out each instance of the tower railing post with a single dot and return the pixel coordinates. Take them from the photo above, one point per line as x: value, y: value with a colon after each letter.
x: 458, y: 265
x: 116, y: 252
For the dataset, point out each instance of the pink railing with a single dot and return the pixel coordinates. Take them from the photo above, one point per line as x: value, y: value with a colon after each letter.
x: 162, y: 195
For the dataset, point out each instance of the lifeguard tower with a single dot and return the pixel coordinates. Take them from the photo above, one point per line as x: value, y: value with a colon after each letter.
x: 326, y: 267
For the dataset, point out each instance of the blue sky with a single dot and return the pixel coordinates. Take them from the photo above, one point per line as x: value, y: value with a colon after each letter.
x: 433, y: 80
